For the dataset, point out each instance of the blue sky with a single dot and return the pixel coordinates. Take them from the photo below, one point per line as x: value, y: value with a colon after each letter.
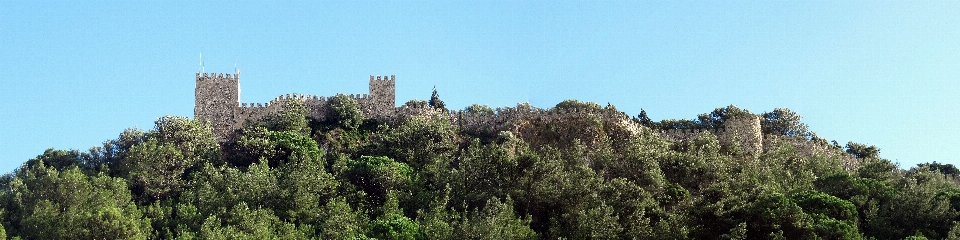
x: 73, y: 75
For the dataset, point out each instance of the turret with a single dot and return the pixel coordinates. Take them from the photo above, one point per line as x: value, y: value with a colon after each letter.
x: 746, y: 130
x: 217, y: 99
x: 383, y: 93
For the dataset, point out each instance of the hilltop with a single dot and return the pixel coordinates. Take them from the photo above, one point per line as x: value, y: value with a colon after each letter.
x: 357, y: 167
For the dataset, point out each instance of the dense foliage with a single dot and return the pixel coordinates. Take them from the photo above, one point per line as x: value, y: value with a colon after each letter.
x: 292, y: 177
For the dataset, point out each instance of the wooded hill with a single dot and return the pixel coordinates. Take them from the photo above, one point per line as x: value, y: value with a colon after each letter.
x: 292, y: 177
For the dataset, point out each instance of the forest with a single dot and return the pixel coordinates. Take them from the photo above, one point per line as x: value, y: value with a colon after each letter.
x: 289, y: 176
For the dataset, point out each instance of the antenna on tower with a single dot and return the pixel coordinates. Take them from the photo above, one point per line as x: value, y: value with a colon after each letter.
x: 201, y: 64
x: 235, y: 63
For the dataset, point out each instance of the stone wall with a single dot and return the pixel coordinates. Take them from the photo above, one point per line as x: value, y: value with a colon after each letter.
x: 687, y: 135
x: 218, y: 101
x: 812, y: 150
x: 382, y: 96
x: 744, y: 130
x: 501, y: 117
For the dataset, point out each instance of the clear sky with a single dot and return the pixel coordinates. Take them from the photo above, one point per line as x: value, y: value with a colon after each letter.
x: 76, y: 73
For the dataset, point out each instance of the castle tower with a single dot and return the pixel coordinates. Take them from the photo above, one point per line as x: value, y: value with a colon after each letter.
x: 746, y: 130
x: 382, y: 92
x: 217, y: 99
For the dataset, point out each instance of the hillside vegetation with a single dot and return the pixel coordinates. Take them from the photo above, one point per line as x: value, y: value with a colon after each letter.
x: 350, y: 177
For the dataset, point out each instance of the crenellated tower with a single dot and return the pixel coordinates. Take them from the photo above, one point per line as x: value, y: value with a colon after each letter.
x: 383, y: 91
x: 217, y: 98
x: 744, y: 130
x: 218, y: 101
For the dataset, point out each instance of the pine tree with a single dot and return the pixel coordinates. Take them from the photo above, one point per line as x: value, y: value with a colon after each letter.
x: 435, y: 101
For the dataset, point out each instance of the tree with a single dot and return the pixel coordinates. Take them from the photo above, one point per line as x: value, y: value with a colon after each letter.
x: 395, y: 227
x: 58, y: 159
x: 435, y: 220
x: 293, y: 118
x: 699, y: 167
x: 777, y: 215
x: 252, y: 145
x: 670, y: 124
x: 303, y: 182
x: 597, y: 221
x: 111, y: 155
x: 945, y: 169
x: 158, y: 168
x: 51, y: 204
x: 492, y: 168
x: 98, y: 158
x: 573, y: 104
x: 243, y: 222
x: 435, y: 101
x: 419, y: 142
x: 634, y: 208
x: 345, y: 112
x: 860, y: 150
x: 868, y: 195
x: 378, y: 176
x: 416, y: 104
x: 914, y: 209
x: 340, y: 221
x: 784, y: 122
x: 497, y: 220
x: 532, y: 175
x: 643, y: 119
x: 716, y: 118
x: 833, y: 218
x: 194, y: 138
x: 479, y: 109
x: 880, y: 169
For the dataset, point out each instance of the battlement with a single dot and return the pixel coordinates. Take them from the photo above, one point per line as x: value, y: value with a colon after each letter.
x: 217, y: 97
x: 506, y: 118
x: 218, y: 101
x: 216, y: 76
x: 744, y: 130
x: 382, y: 78
x: 693, y: 131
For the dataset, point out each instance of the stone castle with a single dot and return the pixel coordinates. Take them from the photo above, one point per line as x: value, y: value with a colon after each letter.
x: 218, y: 101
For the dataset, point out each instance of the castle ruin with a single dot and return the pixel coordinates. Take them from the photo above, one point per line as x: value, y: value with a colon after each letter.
x: 218, y: 101
x: 743, y: 130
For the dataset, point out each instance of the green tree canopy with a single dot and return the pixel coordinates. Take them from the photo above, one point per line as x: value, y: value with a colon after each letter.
x: 718, y: 116
x: 435, y: 101
x: 293, y: 118
x: 574, y: 104
x: 479, y: 109
x: 782, y: 121
x: 860, y: 150
x: 52, y: 204
x: 345, y: 111
x: 526, y: 176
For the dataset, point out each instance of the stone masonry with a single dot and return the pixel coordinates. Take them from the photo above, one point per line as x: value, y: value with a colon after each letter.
x: 218, y: 101
x: 744, y: 130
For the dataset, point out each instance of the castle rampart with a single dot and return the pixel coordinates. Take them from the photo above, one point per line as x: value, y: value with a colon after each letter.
x: 743, y: 130
x: 218, y: 101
